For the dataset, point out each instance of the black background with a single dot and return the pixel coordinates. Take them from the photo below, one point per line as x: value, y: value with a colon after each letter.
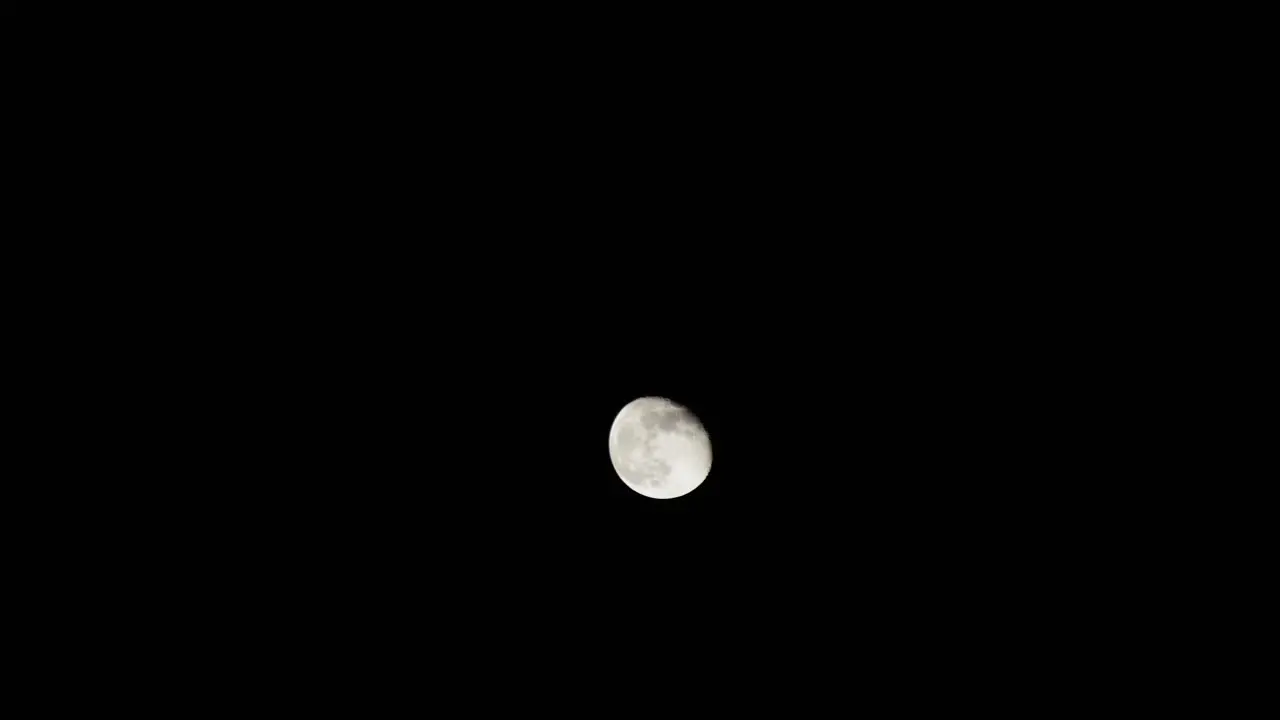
x: 397, y: 285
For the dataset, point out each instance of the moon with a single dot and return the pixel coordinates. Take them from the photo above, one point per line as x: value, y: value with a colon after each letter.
x: 659, y: 448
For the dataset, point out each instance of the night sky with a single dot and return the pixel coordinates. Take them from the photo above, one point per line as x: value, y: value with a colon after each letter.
x: 878, y: 478
x: 420, y: 280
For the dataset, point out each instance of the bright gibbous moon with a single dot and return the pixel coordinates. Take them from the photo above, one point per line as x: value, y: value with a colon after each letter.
x: 659, y: 448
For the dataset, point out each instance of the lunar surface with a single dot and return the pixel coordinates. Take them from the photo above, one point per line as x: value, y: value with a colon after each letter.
x: 659, y: 448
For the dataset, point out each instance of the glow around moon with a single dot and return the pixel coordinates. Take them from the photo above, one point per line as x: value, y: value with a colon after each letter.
x: 659, y: 448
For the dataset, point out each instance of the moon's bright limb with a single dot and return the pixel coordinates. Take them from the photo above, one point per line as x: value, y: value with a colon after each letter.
x: 659, y: 448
